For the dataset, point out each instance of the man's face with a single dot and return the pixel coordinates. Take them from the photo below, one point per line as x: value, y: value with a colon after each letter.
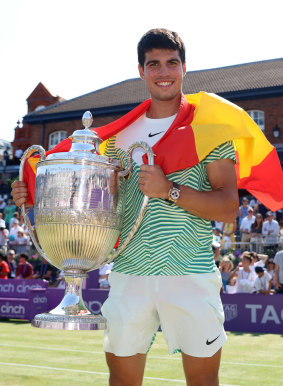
x: 163, y: 73
x: 22, y: 260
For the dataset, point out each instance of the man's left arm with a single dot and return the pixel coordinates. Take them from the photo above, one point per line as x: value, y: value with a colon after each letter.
x: 220, y: 203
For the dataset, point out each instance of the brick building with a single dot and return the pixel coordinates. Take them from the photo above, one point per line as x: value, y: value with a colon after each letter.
x: 256, y: 87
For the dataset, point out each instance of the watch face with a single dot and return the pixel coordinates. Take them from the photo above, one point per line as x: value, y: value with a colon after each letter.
x: 175, y: 194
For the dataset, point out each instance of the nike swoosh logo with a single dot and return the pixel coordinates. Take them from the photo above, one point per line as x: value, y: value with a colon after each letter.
x: 209, y: 342
x: 152, y: 135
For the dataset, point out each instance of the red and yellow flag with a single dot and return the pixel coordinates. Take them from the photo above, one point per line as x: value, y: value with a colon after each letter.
x: 204, y: 121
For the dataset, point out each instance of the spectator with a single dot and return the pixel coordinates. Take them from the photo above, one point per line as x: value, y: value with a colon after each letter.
x: 278, y: 278
x: 18, y: 154
x: 9, y: 211
x: 14, y: 232
x: 229, y: 230
x: 24, y: 268
x: 5, y: 157
x: 243, y: 210
x: 270, y: 231
x: 20, y: 243
x: 225, y: 268
x: 258, y: 259
x: 103, y: 275
x: 270, y: 268
x: 256, y: 234
x: 15, y: 217
x: 263, y: 282
x: 245, y: 275
x: 245, y: 228
x: 260, y: 208
x: 43, y: 271
x: 2, y: 205
x: 4, y: 267
x: 12, y: 264
x: 216, y: 251
x: 4, y: 236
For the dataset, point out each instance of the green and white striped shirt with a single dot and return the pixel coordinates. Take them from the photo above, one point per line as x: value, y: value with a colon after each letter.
x: 170, y: 240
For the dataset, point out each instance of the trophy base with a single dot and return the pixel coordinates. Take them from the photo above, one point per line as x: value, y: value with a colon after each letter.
x: 69, y: 322
x: 71, y: 313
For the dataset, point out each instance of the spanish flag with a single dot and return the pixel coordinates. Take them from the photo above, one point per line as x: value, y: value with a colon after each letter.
x: 204, y: 121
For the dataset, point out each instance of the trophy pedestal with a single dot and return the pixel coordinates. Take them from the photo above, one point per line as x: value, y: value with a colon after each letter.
x: 71, y: 313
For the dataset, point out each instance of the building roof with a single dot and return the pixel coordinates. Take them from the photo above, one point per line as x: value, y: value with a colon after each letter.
x: 263, y: 78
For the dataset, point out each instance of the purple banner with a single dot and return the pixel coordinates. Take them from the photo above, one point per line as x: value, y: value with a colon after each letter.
x: 14, y: 288
x: 253, y: 313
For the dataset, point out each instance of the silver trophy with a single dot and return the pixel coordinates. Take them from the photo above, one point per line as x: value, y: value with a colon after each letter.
x: 78, y: 216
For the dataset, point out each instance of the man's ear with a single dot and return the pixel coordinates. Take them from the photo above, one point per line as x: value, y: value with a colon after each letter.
x: 184, y: 68
x: 141, y: 71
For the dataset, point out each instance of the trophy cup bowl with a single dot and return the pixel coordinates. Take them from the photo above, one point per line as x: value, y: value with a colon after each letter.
x: 78, y: 215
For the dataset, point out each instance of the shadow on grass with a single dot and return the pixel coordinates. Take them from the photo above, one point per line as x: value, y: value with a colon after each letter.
x: 14, y: 321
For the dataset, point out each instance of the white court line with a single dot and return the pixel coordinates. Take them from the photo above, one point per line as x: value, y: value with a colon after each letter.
x: 85, y: 371
x: 171, y: 358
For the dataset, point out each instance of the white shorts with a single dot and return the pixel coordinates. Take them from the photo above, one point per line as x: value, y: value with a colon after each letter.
x: 188, y: 308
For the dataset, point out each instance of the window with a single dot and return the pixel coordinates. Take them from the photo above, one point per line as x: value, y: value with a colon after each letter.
x: 55, y: 138
x: 258, y: 117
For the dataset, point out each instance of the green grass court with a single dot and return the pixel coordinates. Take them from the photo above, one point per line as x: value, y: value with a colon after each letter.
x: 31, y: 356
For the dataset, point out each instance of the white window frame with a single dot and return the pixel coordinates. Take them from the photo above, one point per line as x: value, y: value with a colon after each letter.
x: 55, y: 138
x: 259, y: 117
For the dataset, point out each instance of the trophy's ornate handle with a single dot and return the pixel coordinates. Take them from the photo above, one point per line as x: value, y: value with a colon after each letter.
x: 26, y: 155
x: 125, y: 173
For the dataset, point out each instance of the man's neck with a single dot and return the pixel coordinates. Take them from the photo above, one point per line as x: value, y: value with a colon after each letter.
x: 163, y: 109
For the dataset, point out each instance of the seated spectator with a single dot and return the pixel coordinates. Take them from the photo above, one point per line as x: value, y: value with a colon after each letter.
x: 243, y: 210
x: 24, y: 268
x: 270, y: 231
x: 256, y: 234
x: 4, y: 267
x: 4, y: 237
x: 228, y: 240
x: 245, y: 275
x: 225, y: 268
x: 245, y: 228
x: 278, y: 277
x: 9, y: 211
x: 16, y: 216
x: 43, y: 271
x: 20, y: 243
x: 14, y: 230
x: 262, y: 282
x: 270, y: 268
x: 12, y: 263
x: 2, y: 206
x: 103, y: 276
x: 258, y: 259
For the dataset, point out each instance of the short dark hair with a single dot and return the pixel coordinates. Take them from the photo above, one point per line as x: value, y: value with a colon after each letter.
x: 24, y: 255
x: 161, y: 38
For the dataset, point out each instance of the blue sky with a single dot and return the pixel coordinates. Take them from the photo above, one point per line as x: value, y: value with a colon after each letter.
x: 75, y: 47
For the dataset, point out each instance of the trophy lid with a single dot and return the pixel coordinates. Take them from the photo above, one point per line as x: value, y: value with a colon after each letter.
x: 85, y: 145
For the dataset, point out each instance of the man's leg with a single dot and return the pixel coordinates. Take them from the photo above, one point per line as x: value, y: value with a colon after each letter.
x: 126, y: 371
x: 202, y: 371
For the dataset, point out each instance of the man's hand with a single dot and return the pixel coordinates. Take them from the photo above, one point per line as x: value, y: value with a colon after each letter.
x: 153, y: 182
x: 19, y: 192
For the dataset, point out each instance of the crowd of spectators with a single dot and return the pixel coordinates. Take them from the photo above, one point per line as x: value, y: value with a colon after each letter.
x: 249, y: 252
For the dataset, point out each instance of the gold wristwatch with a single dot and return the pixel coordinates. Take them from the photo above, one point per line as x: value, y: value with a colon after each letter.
x: 174, y: 193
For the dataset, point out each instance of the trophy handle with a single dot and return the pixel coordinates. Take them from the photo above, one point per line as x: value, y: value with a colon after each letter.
x: 27, y: 154
x: 125, y: 173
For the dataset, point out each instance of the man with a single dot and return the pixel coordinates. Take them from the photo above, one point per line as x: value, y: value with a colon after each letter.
x: 245, y: 228
x: 43, y: 270
x: 263, y: 282
x: 12, y: 264
x: 243, y: 210
x: 168, y: 275
x: 278, y: 270
x: 24, y: 268
x: 4, y: 267
x: 270, y: 232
